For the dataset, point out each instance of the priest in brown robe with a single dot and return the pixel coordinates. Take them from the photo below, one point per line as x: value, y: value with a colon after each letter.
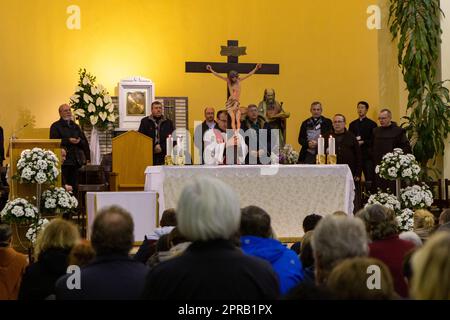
x: 386, y: 138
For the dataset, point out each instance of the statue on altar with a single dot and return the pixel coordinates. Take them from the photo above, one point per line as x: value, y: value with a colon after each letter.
x: 273, y: 112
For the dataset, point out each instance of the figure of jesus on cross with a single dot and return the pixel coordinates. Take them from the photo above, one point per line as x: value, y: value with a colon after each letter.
x: 234, y: 87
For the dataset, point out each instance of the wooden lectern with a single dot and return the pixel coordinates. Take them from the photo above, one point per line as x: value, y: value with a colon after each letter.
x: 132, y: 153
x: 26, y: 190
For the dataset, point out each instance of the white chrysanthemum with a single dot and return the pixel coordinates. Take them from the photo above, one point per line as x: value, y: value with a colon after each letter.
x: 392, y: 172
x: 50, y: 203
x: 41, y: 177
x: 18, y: 211
x: 29, y: 212
x: 407, y: 173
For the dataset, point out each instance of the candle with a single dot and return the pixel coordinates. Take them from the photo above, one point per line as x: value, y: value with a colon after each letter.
x: 179, y: 146
x: 331, y: 146
x: 321, y: 146
x: 169, y: 145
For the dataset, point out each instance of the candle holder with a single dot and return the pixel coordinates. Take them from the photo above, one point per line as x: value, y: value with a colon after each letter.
x: 321, y: 159
x: 179, y: 160
x: 168, y: 161
x: 331, y: 159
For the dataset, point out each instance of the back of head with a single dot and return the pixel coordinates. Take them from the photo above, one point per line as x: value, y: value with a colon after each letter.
x: 423, y: 219
x: 306, y: 251
x: 431, y: 269
x: 5, y: 235
x: 81, y: 254
x: 169, y: 218
x: 310, y: 222
x: 444, y: 217
x: 255, y: 222
x: 380, y: 221
x: 445, y: 227
x: 175, y: 237
x: 208, y: 209
x: 113, y: 231
x: 335, y: 239
x: 350, y: 280
x: 412, y: 237
x: 58, y: 234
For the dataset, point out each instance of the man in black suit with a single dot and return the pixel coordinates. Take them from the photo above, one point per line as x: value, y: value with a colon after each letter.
x: 310, y: 131
x: 74, y: 142
x: 200, y: 131
x: 157, y: 127
x: 362, y: 128
x: 113, y: 275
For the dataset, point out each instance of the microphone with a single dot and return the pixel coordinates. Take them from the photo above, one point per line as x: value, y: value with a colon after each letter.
x: 13, y: 137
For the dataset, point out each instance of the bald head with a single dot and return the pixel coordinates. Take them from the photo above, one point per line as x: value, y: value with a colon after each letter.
x: 209, y: 114
x: 385, y: 118
x: 112, y: 231
x: 64, y: 112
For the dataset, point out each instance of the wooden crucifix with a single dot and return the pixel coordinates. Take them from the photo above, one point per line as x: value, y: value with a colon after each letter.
x: 232, y: 51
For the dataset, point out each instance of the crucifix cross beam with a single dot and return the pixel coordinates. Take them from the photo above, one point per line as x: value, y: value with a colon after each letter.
x: 232, y: 52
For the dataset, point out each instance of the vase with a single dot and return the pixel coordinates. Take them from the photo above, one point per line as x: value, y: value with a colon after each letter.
x: 398, y: 186
x: 38, y: 197
x: 100, y: 142
x: 19, y: 240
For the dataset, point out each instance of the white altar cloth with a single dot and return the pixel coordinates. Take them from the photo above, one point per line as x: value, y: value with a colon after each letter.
x: 287, y: 192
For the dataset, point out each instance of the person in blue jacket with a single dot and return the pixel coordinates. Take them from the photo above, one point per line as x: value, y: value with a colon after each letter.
x: 256, y: 240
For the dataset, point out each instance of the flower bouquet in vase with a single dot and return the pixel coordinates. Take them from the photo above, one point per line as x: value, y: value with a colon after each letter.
x: 37, y: 166
x: 20, y: 214
x: 57, y: 202
x: 398, y: 166
x: 288, y: 155
x: 94, y: 109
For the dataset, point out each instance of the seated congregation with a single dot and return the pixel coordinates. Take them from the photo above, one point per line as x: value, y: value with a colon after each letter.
x: 201, y: 252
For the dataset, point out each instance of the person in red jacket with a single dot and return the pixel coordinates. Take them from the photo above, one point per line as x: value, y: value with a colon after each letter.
x: 386, y: 246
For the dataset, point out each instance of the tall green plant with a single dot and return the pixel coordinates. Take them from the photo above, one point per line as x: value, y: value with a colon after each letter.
x: 416, y: 24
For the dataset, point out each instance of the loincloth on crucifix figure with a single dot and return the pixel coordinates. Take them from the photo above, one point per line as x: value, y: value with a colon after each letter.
x: 273, y: 112
x: 234, y: 88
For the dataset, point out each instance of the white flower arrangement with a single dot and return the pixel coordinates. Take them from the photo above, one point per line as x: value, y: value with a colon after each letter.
x: 58, y: 200
x: 91, y: 103
x: 35, y: 228
x: 397, y: 165
x: 19, y: 211
x: 288, y: 155
x: 416, y: 197
x: 37, y: 166
x: 385, y: 199
x: 405, y: 220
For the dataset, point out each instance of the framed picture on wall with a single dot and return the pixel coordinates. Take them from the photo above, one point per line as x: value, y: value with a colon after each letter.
x: 136, y: 95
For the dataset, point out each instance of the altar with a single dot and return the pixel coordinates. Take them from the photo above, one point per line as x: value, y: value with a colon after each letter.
x: 287, y: 192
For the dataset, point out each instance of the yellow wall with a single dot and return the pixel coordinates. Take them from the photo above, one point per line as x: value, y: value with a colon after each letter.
x: 324, y: 49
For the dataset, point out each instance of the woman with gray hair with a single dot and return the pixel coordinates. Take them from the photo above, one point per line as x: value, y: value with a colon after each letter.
x: 212, y: 268
x: 336, y: 238
x: 381, y: 225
